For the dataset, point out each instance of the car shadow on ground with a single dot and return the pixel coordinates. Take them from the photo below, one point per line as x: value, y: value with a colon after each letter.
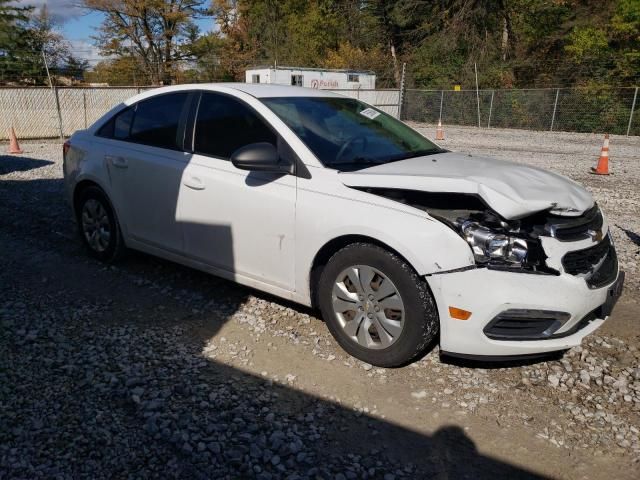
x: 11, y: 163
x: 102, y: 376
x: 633, y: 236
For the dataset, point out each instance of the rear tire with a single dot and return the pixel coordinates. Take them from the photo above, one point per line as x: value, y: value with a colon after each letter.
x: 98, y: 226
x: 376, y: 306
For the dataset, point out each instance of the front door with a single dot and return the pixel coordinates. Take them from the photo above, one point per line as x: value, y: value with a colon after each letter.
x: 238, y: 221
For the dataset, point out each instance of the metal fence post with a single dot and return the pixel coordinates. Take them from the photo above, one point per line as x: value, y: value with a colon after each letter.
x: 490, y: 109
x: 475, y: 66
x: 401, y: 92
x: 633, y: 107
x: 555, y: 106
x: 441, y: 102
x: 55, y: 91
x: 84, y: 106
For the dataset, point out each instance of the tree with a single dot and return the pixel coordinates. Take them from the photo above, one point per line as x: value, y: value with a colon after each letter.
x: 25, y: 36
x: 287, y: 32
x: 13, y: 40
x: 514, y: 43
x: 151, y: 30
x: 44, y: 39
x: 387, y: 14
x: 116, y: 72
x: 237, y: 47
x: 625, y: 38
x: 210, y: 52
x: 350, y: 57
x: 74, y: 68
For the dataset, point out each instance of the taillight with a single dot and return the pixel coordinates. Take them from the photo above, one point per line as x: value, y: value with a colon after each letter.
x: 65, y: 148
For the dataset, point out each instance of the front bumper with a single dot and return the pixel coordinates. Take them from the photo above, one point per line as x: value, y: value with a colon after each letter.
x: 486, y: 293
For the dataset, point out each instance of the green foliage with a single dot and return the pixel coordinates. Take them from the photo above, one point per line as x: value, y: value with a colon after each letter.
x: 158, y: 33
x: 121, y: 71
x: 513, y: 43
x: 14, y: 41
x: 24, y: 37
x: 586, y: 43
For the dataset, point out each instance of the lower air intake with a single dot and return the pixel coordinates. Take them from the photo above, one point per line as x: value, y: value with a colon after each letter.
x: 524, y: 324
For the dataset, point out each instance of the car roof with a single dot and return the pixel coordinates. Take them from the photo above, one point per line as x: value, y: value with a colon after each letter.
x: 265, y: 90
x: 258, y: 90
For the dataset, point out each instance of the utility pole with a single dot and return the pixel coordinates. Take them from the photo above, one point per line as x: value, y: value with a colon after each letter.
x: 55, y: 93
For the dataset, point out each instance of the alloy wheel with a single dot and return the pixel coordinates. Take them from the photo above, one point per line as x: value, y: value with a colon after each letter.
x: 95, y: 225
x: 368, y: 306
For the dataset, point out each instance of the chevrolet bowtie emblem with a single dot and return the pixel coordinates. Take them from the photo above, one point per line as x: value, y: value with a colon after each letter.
x: 596, y: 235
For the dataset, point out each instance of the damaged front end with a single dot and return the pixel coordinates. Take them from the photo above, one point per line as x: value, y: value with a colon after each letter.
x: 496, y: 243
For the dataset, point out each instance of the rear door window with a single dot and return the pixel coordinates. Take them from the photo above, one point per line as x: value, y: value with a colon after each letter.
x: 156, y: 121
x: 225, y: 124
x: 118, y: 126
x: 122, y: 125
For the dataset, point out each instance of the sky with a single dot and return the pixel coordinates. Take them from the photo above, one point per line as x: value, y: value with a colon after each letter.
x: 78, y: 25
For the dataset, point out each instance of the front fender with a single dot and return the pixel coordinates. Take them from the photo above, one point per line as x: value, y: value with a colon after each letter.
x: 428, y: 245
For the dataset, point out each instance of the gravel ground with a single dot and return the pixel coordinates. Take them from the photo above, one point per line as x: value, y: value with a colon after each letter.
x: 149, y: 369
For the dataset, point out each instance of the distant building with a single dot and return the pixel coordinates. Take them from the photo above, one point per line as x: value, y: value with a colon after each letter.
x: 312, y: 77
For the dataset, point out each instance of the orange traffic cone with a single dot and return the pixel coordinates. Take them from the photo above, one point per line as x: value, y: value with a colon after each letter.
x: 14, y: 147
x: 603, y: 162
x: 439, y: 131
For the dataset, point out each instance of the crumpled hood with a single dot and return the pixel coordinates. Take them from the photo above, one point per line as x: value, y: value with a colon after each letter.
x: 513, y: 190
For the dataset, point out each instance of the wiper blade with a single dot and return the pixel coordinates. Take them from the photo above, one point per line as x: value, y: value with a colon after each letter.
x: 421, y: 153
x: 363, y: 160
x: 358, y: 161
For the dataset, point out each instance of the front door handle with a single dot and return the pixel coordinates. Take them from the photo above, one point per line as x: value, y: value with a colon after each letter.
x: 194, y: 183
x: 119, y: 162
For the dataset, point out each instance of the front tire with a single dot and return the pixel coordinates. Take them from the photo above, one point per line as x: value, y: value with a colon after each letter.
x: 98, y: 226
x: 376, y: 306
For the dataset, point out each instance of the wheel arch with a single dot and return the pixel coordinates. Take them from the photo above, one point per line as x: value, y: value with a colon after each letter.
x: 334, y: 245
x: 81, y: 186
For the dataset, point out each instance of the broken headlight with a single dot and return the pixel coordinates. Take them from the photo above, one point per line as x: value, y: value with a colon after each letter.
x: 491, y: 246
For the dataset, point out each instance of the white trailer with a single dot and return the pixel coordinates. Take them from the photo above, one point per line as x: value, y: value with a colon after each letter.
x: 313, y: 77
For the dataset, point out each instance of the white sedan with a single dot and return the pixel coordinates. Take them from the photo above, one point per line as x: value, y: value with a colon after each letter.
x: 329, y: 202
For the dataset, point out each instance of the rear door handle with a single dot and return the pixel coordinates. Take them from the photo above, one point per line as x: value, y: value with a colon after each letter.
x: 194, y: 183
x: 119, y: 162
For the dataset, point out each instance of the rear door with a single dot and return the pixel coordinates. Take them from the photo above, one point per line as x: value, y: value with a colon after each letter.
x: 238, y: 221
x: 146, y: 166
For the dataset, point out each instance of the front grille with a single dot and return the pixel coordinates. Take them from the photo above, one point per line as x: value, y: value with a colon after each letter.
x: 598, y: 264
x: 524, y: 324
x: 568, y: 229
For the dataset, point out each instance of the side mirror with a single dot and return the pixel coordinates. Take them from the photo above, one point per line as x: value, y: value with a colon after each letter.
x: 260, y: 157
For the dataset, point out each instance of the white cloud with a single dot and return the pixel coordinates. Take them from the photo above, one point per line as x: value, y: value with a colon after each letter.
x: 60, y: 10
x: 84, y: 49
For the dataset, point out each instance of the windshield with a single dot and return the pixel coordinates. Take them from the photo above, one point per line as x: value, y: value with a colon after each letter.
x: 346, y: 134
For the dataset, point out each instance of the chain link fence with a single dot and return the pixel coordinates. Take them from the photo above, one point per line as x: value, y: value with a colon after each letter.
x: 562, y: 109
x: 45, y: 113
x: 387, y: 100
